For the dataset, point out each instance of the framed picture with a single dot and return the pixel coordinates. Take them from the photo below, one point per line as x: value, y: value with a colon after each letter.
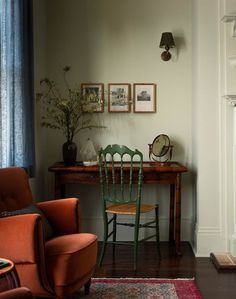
x: 119, y: 97
x: 144, y: 97
x: 94, y: 96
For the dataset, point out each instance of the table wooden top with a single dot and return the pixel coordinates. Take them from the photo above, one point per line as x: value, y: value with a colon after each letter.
x: 147, y: 167
x: 7, y: 269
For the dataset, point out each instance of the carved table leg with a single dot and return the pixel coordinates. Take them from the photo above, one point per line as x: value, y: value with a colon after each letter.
x: 172, y: 213
x: 178, y: 213
x: 59, y: 189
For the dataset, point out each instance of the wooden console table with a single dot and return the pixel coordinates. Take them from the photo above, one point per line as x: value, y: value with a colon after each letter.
x: 154, y: 173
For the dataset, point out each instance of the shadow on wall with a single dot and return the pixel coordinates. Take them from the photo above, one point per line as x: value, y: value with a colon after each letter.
x: 179, y: 153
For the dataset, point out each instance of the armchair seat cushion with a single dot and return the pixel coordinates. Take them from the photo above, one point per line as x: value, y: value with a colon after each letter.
x: 75, y: 253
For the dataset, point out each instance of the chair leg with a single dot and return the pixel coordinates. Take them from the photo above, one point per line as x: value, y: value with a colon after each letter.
x: 87, y: 287
x: 104, y: 244
x: 136, y: 238
x: 157, y: 230
x: 114, y: 236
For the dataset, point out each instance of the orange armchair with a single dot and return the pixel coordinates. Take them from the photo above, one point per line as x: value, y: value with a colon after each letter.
x: 57, y: 267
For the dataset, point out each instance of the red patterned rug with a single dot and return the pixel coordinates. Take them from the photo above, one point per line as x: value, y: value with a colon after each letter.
x: 143, y: 288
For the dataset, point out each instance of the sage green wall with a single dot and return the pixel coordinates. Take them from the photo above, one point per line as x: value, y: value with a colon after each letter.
x: 118, y: 41
x: 40, y: 62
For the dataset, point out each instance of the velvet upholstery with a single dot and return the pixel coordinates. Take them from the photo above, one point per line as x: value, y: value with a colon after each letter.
x: 18, y: 293
x: 58, y: 267
x: 32, y: 209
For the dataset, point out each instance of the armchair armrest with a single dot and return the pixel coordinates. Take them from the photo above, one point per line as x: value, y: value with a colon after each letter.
x: 63, y: 214
x: 18, y: 293
x: 21, y: 238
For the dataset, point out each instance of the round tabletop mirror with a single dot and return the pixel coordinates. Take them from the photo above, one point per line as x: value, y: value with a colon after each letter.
x: 160, y: 150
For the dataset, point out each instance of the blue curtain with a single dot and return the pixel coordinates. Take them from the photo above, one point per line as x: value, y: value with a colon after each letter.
x: 16, y: 85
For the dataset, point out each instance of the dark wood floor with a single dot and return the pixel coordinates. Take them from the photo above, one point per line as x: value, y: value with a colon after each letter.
x: 212, y: 284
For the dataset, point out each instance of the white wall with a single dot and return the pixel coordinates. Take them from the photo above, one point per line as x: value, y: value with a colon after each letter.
x: 206, y: 124
x: 40, y: 63
x: 118, y: 41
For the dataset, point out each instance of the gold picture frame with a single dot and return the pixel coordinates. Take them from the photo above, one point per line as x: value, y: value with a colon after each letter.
x: 144, y: 97
x: 119, y: 97
x: 95, y: 93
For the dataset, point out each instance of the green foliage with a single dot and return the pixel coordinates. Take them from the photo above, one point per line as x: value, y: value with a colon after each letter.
x: 69, y: 110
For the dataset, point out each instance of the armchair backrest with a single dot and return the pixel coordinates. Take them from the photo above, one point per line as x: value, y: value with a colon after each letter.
x: 15, y: 191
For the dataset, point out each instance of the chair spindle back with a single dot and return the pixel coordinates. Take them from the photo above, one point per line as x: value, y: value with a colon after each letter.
x: 117, y: 172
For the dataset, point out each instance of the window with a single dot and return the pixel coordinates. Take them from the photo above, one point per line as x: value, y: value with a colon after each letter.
x: 16, y: 85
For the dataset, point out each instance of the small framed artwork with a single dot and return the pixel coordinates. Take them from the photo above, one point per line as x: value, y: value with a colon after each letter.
x: 119, y: 97
x: 144, y: 97
x: 94, y: 96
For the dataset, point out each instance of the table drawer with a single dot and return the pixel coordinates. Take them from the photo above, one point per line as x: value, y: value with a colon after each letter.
x: 82, y: 178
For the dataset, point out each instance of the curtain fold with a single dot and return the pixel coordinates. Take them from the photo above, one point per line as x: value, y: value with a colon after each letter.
x: 16, y: 85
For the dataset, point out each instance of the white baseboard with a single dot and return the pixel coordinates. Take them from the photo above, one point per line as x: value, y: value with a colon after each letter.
x: 207, y: 240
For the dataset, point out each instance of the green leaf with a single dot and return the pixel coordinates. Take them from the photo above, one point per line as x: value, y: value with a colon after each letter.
x: 65, y: 108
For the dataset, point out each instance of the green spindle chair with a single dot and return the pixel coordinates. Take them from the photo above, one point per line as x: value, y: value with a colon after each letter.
x: 121, y: 176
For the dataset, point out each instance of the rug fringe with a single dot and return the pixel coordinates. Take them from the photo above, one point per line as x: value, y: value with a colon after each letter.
x: 143, y: 278
x: 125, y: 287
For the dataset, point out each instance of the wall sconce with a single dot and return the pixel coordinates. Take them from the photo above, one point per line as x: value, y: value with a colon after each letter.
x: 167, y: 42
x: 230, y: 19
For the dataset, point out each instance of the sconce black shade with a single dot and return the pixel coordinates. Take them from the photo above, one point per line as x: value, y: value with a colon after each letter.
x: 167, y: 42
